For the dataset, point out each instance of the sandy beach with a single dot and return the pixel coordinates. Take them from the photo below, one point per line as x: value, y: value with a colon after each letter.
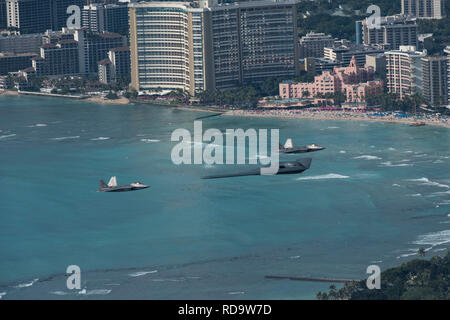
x: 337, y: 115
x: 9, y: 93
x: 121, y: 100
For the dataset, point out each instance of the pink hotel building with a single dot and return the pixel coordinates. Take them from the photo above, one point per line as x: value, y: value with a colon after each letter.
x: 356, y: 83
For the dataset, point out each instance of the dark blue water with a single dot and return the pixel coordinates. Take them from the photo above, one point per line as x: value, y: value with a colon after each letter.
x: 374, y: 196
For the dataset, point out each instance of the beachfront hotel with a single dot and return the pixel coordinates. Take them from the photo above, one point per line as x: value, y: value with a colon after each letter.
x: 447, y: 52
x: 354, y: 82
x: 434, y: 74
x: 204, y: 45
x: 404, y: 71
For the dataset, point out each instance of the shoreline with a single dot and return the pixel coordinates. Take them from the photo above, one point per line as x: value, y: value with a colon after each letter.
x: 333, y: 115
x: 121, y: 100
x: 274, y: 114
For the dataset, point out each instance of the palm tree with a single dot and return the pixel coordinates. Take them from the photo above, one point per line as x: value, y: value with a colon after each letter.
x: 421, y: 252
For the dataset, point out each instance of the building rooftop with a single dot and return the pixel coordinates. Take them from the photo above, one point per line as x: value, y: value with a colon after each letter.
x: 104, y: 62
x: 120, y: 49
x: 29, y: 69
x: 11, y: 54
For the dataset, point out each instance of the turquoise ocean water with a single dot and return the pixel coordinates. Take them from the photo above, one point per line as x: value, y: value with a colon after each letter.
x: 374, y: 196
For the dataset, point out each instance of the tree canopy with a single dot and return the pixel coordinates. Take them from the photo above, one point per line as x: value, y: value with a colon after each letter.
x: 415, y: 280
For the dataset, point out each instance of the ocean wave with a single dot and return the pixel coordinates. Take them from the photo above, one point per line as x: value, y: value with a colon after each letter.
x: 65, y: 138
x: 168, y: 280
x: 342, y: 151
x: 2, y: 294
x: 434, y: 239
x: 415, y: 195
x: 27, y: 284
x: 95, y: 292
x: 59, y: 293
x: 367, y: 157
x: 37, y: 125
x: 333, y: 127
x: 150, y: 140
x: 100, y: 138
x: 395, y: 185
x: 438, y: 194
x: 427, y: 182
x: 8, y: 136
x: 391, y: 149
x: 390, y: 164
x: 324, y: 176
x: 235, y: 292
x: 142, y: 273
x: 405, y: 255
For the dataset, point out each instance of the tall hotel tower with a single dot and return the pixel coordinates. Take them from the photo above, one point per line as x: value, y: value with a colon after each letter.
x: 204, y: 45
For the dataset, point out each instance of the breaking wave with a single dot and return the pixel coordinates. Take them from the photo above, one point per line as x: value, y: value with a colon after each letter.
x: 427, y: 182
x: 434, y: 239
x: 150, y: 140
x: 37, y: 125
x: 367, y: 157
x: 27, y: 284
x: 100, y: 138
x: 65, y: 138
x: 142, y: 273
x: 7, y: 136
x: 390, y: 164
x: 95, y: 292
x: 324, y: 176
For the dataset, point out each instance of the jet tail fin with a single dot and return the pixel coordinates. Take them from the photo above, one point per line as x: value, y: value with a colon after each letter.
x: 112, y: 182
x: 288, y: 144
x: 305, y: 162
x: 102, y: 184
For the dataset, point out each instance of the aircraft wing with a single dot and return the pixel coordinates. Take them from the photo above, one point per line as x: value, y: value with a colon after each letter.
x: 255, y: 172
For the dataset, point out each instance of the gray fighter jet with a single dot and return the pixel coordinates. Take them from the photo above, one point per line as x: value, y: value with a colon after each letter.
x: 289, y: 148
x: 287, y: 167
x: 113, y: 187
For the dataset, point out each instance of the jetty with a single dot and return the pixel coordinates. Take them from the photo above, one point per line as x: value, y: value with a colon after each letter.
x: 308, y: 279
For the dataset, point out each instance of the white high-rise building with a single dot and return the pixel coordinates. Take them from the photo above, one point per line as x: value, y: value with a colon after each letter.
x: 404, y: 71
x: 198, y: 46
x: 447, y: 52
